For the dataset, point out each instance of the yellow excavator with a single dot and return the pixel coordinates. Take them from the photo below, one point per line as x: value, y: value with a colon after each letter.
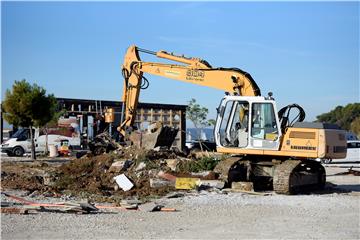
x: 265, y: 147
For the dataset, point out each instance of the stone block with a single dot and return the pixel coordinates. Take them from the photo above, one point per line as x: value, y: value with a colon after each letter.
x: 243, y: 186
x: 158, y: 183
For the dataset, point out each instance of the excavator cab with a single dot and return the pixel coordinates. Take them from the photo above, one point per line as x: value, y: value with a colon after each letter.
x: 248, y: 122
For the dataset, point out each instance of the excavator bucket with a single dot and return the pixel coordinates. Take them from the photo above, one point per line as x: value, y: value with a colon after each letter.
x: 156, y: 136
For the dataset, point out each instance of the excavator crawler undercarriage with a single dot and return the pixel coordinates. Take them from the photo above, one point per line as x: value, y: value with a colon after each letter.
x: 283, y: 176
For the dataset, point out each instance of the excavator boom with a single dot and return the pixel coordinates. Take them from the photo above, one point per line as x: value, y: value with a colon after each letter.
x: 234, y: 81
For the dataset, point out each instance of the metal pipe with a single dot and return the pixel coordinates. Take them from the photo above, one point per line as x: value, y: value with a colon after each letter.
x: 122, y: 112
x: 146, y: 51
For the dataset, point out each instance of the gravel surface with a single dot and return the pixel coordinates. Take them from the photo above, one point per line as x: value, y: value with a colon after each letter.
x: 210, y: 215
x: 334, y: 214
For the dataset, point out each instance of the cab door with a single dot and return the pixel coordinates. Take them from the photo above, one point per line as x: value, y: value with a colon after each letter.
x: 232, y: 124
x: 264, y: 130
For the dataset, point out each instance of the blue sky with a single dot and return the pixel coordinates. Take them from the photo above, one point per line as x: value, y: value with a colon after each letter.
x: 305, y: 53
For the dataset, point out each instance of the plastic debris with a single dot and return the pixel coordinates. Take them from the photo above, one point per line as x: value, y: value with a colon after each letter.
x: 123, y: 182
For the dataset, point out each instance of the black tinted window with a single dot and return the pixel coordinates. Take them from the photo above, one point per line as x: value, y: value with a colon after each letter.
x: 353, y: 145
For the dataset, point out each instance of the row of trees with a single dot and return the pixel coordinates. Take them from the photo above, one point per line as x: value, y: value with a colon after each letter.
x: 347, y: 117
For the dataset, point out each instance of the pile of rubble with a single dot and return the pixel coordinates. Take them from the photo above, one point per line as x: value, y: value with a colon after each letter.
x: 131, y: 172
x: 122, y: 174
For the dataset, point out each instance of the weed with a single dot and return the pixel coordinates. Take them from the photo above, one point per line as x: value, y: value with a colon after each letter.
x: 202, y: 164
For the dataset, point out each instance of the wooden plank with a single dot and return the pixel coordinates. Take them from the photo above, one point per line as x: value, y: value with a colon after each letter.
x: 13, y: 210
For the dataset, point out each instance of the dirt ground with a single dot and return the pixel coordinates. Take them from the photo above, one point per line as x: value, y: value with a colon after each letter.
x: 331, y: 214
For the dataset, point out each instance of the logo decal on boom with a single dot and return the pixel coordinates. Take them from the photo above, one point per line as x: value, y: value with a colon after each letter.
x: 195, y: 75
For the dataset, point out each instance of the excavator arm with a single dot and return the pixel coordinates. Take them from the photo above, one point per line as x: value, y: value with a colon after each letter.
x: 194, y: 70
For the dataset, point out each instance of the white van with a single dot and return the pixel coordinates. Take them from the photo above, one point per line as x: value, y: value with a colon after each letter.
x: 20, y: 143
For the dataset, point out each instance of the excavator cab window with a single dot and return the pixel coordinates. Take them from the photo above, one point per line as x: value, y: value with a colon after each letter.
x: 264, y: 124
x: 234, y: 125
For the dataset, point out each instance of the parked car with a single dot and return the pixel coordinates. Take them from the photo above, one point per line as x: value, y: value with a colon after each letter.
x: 353, y: 152
x: 20, y: 143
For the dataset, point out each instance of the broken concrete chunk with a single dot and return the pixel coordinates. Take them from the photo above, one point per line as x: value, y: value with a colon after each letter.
x: 157, y: 149
x: 88, y: 207
x: 116, y: 166
x: 186, y: 183
x: 199, y: 155
x: 48, y: 180
x: 131, y: 201
x: 201, y: 174
x: 123, y: 182
x: 158, y: 183
x: 244, y: 186
x: 148, y: 207
x: 153, y: 172
x: 153, y: 207
x: 140, y: 166
x: 167, y: 176
x: 159, y: 135
x: 129, y: 204
x: 175, y: 195
x: 172, y: 163
x: 119, y: 166
x: 211, y: 184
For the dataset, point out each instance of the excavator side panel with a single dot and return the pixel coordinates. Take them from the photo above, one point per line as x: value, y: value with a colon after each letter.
x: 302, y: 143
x: 317, y: 142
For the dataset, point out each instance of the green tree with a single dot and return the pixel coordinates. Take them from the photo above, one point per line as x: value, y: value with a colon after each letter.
x: 355, y: 126
x: 346, y: 117
x: 28, y: 106
x: 198, y: 116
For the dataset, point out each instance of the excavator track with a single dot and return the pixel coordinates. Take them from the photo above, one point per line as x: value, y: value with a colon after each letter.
x: 294, y: 176
x: 282, y: 176
x: 225, y: 167
x: 288, y: 177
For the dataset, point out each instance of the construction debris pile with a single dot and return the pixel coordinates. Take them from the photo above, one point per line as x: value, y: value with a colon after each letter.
x: 111, y: 177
